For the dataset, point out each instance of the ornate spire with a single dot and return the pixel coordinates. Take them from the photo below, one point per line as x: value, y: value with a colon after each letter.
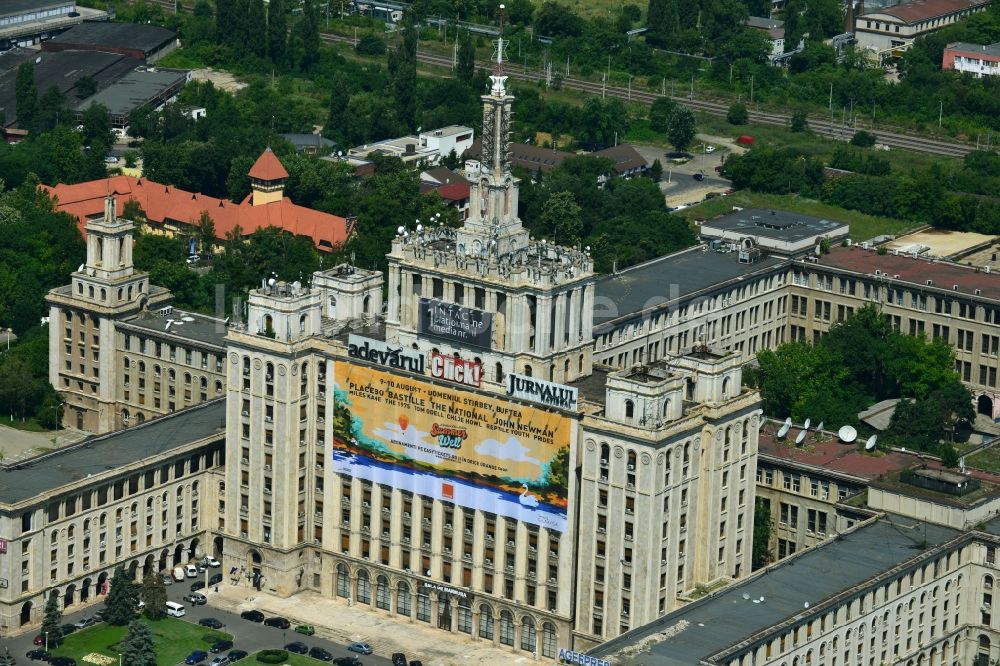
x: 499, y: 78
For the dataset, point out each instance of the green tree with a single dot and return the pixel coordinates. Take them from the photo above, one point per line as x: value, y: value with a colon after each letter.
x: 277, y: 32
x: 51, y: 110
x: 865, y: 139
x: 465, y: 69
x: 137, y: 648
x: 122, y: 600
x: 795, y: 26
x: 737, y: 114
x: 659, y: 114
x: 85, y: 86
x: 404, y: 84
x: 663, y: 19
x: 257, y: 29
x: 561, y: 218
x: 656, y: 171
x: 823, y: 18
x: 52, y: 618
x: 306, y: 37
x: 371, y: 45
x: 761, y: 555
x: 681, y: 127
x: 154, y: 595
x: 206, y: 233
x: 26, y: 93
x: 799, y: 121
x: 340, y: 97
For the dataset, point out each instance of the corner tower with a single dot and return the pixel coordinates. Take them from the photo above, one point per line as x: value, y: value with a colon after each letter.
x: 267, y: 179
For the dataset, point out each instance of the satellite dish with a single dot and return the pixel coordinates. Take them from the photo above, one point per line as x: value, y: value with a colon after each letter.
x: 756, y: 601
x: 788, y: 422
x: 819, y: 428
x: 187, y: 318
x: 270, y: 283
x: 805, y: 426
x: 758, y: 412
x: 801, y: 436
x: 783, y: 431
x: 399, y: 230
x: 746, y: 597
x: 80, y: 269
x: 847, y: 434
x: 870, y: 444
x: 805, y: 605
x: 296, y: 285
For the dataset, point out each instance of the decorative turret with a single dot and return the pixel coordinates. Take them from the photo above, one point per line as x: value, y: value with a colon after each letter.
x: 267, y: 179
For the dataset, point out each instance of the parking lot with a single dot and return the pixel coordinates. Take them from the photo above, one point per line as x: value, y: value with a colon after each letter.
x: 679, y: 186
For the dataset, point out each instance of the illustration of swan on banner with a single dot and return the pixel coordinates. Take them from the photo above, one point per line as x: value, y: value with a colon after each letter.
x: 526, y: 499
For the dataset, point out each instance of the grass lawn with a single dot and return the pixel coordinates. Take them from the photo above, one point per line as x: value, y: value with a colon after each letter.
x: 175, y: 639
x: 863, y: 226
x: 987, y: 459
x: 29, y: 424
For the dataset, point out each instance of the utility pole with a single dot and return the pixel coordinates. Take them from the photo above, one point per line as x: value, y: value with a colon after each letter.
x: 663, y: 86
x: 604, y: 85
x: 831, y: 96
x: 454, y: 55
x: 630, y: 87
x: 691, y: 96
x: 751, y: 88
x: 940, y: 113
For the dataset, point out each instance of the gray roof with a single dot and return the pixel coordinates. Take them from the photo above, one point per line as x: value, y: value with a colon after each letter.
x: 304, y: 140
x: 98, y: 455
x: 879, y: 415
x: 763, y: 23
x: 778, y: 225
x: 981, y: 49
x: 203, y: 329
x: 706, y: 627
x: 135, y: 89
x: 669, y: 278
x: 148, y: 38
x: 60, y: 70
x: 14, y: 7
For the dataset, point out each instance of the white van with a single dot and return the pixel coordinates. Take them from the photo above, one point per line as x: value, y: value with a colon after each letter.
x: 178, y: 574
x: 191, y: 570
x: 175, y: 609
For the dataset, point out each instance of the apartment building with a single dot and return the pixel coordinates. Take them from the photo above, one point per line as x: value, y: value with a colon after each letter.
x: 896, y: 27
x: 978, y: 60
x: 145, y: 499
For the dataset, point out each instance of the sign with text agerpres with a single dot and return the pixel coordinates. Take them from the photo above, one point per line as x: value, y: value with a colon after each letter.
x: 381, y: 353
x: 541, y: 391
x: 572, y: 657
x: 467, y: 326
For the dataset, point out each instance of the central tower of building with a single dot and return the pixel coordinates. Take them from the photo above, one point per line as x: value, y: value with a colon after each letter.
x: 487, y: 292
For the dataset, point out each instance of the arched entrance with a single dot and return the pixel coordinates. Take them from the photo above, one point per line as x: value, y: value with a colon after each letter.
x: 217, y: 547
x: 69, y: 597
x: 102, y: 583
x: 256, y: 561
x: 178, y: 554
x: 984, y: 405
x: 147, y: 566
x: 132, y: 568
x: 25, y: 613
x: 85, y: 590
x: 193, y: 549
x: 164, y: 554
x: 79, y: 419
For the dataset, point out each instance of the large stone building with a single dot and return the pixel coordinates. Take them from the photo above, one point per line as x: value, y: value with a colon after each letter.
x: 453, y: 458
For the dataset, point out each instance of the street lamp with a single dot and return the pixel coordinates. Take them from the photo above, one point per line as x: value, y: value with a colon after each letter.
x: 47, y: 643
x: 119, y: 659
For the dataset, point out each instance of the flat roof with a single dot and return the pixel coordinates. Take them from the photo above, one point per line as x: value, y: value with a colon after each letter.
x: 14, y: 7
x: 941, y: 242
x: 135, y: 89
x: 944, y: 275
x: 779, y: 225
x: 101, y: 454
x: 980, y: 49
x: 148, y: 38
x: 668, y: 278
x: 703, y: 628
x: 187, y: 325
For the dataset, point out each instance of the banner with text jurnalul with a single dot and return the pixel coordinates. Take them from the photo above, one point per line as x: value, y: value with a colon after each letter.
x: 458, y: 446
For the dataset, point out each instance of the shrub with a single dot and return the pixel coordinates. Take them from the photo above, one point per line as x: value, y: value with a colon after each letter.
x: 370, y: 45
x: 272, y: 656
x: 863, y: 139
x: 799, y: 122
x: 737, y: 114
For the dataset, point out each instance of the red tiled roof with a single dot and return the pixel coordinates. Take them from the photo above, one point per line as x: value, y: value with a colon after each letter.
x: 943, y: 274
x: 268, y: 167
x: 453, y: 191
x: 163, y: 202
x: 921, y: 10
x: 832, y: 454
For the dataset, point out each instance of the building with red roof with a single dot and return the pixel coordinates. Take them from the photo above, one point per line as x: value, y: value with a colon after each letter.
x: 895, y: 27
x: 173, y: 211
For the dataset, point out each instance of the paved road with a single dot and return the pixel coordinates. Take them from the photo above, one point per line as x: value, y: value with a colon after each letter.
x: 249, y: 636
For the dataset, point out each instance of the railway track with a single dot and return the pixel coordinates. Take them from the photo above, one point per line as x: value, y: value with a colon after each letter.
x: 826, y: 128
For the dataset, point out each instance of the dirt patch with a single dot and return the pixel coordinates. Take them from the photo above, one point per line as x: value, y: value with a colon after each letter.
x: 222, y: 80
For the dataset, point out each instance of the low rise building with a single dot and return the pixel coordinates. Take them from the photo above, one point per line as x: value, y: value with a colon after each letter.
x: 894, y: 28
x: 977, y: 59
x: 27, y: 22
x: 147, y: 43
x: 427, y: 147
x: 150, y: 88
x: 774, y: 231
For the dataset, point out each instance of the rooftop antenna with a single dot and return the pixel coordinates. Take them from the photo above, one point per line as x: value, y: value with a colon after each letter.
x: 870, y: 444
x: 847, y: 434
x: 800, y: 437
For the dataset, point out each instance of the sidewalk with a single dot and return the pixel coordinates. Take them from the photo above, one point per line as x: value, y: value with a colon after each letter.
x: 336, y: 621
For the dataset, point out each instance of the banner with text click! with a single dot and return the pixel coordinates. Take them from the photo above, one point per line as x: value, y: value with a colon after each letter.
x: 476, y: 451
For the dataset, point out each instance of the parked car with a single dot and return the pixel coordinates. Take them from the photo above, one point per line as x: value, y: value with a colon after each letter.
x: 196, y: 657
x: 99, y: 615
x: 360, y: 648
x: 178, y: 574
x: 399, y: 659
x: 167, y: 579
x: 211, y: 622
x: 321, y: 654
x: 297, y: 647
x: 709, y: 149
x: 215, y: 579
x: 197, y: 585
x: 236, y: 655
x: 221, y: 660
x: 699, y: 176
x: 279, y: 622
x: 210, y: 561
x: 305, y: 629
x: 86, y: 622
x: 221, y: 646
x: 347, y: 661
x: 68, y: 629
x: 63, y: 661
x: 38, y: 655
x: 252, y: 615
x: 191, y: 571
x: 416, y: 662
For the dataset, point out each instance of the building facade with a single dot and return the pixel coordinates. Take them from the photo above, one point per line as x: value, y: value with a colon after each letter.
x: 895, y: 27
x: 977, y: 59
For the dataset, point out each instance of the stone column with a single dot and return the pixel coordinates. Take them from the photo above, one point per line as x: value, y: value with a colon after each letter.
x: 543, y: 315
x: 560, y: 303
x: 392, y: 311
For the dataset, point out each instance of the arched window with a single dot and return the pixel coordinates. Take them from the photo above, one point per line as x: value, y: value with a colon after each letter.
x: 90, y: 291
x: 549, y: 639
x: 403, y: 599
x: 343, y: 581
x: 71, y: 532
x: 126, y: 417
x: 269, y: 372
x: 246, y: 365
x: 218, y: 387
x: 666, y: 409
x: 187, y: 379
x: 142, y: 366
x: 465, y: 616
x: 364, y: 588
x: 204, y: 383
x: 528, y: 640
x: 366, y: 305
x: 486, y: 622
x: 498, y: 373
x: 984, y: 642
x: 629, y: 409
x: 729, y: 435
x: 302, y: 324
x: 103, y: 520
x: 631, y: 461
x: 506, y: 628
x: 104, y: 294
x: 605, y: 454
x: 527, y: 370
x: 382, y: 593
x: 333, y: 307
x: 726, y: 387
x: 171, y: 375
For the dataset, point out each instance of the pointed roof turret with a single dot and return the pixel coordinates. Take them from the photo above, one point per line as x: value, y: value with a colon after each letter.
x: 268, y: 167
